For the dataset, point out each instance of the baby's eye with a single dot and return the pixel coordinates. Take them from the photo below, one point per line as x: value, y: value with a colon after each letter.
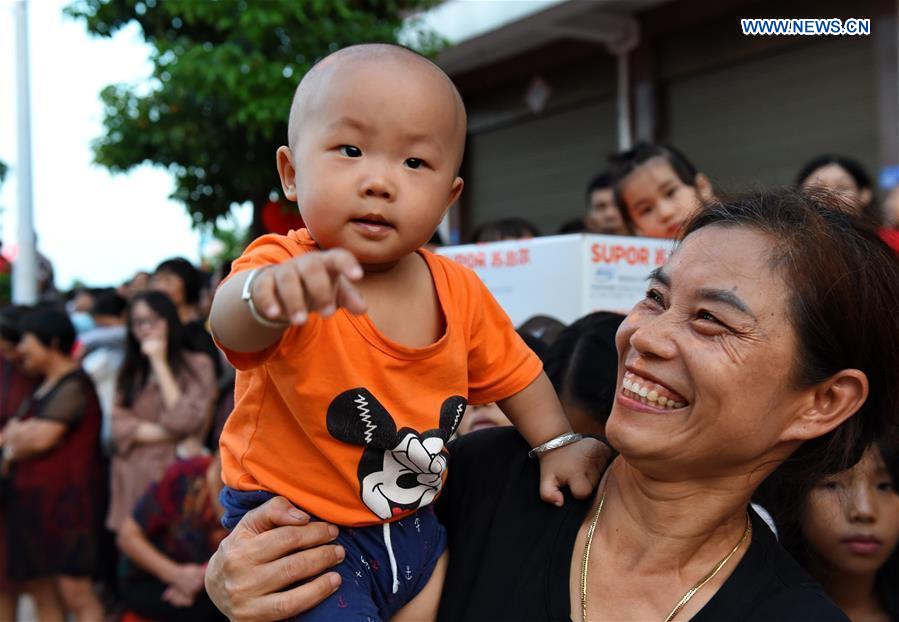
x: 350, y: 151
x: 414, y: 163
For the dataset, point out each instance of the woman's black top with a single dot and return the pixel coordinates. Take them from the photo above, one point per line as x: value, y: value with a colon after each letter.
x: 510, y: 552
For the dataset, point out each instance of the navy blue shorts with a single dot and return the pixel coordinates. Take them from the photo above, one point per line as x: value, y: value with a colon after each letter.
x: 367, y: 591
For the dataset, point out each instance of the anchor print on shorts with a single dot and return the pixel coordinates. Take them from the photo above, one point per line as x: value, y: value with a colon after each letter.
x: 400, y: 470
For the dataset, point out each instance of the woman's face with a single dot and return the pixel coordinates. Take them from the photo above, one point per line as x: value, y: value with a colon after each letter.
x: 835, y: 178
x: 145, y: 322
x: 851, y: 520
x: 34, y: 355
x: 705, y: 361
x: 169, y: 284
x: 657, y: 201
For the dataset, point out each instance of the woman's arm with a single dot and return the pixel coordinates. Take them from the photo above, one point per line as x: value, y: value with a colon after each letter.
x: 189, y: 413
x: 168, y: 384
x: 187, y: 578
x: 26, y: 439
x: 129, y: 430
x: 274, y: 546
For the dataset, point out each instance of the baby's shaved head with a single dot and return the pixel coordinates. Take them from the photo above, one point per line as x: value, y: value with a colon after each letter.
x: 310, y: 93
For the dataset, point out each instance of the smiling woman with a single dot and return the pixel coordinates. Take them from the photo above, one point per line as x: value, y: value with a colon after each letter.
x: 773, y: 331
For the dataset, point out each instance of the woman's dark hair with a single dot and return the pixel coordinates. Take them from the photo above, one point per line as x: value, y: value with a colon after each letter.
x: 626, y: 162
x: 787, y: 502
x: 9, y: 322
x: 854, y: 169
x: 844, y: 295
x: 582, y: 363
x: 575, y: 225
x: 542, y: 327
x: 505, y: 229
x: 136, y: 367
x: 187, y: 273
x: 109, y: 303
x: 51, y: 327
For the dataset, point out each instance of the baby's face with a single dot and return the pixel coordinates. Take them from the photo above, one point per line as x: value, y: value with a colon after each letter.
x: 375, y: 159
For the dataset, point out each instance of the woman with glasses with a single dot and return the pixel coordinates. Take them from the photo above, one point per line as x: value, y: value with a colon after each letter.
x: 164, y: 397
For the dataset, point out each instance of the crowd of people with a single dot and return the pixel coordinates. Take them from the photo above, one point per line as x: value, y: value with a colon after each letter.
x: 750, y: 400
x: 652, y: 189
x: 112, y: 401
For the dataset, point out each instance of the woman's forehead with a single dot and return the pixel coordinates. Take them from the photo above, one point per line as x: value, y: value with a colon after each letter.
x: 732, y: 257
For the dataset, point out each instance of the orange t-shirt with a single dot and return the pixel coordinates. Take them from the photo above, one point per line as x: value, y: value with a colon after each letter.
x: 351, y: 426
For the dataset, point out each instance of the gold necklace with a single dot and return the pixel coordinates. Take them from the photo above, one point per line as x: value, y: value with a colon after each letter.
x: 747, y: 535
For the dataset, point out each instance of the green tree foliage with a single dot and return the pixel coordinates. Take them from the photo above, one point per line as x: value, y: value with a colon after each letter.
x: 215, y: 108
x: 3, y: 170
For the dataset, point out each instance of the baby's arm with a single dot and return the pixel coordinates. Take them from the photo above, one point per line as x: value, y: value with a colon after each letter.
x: 538, y: 415
x: 284, y: 294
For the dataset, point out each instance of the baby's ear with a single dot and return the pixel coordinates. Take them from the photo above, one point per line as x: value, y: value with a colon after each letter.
x: 455, y: 191
x: 287, y: 172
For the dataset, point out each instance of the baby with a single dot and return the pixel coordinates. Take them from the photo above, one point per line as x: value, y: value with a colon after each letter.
x: 356, y: 350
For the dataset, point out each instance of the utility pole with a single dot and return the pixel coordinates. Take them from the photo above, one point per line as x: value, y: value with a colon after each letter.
x: 24, y: 281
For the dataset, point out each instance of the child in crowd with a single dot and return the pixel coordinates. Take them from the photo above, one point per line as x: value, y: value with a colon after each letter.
x: 356, y: 351
x: 658, y: 189
x: 846, y: 531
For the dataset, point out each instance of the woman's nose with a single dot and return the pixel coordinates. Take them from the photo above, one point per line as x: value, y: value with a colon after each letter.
x: 652, y: 336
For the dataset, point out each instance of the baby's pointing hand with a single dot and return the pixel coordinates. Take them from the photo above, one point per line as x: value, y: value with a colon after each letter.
x: 317, y: 281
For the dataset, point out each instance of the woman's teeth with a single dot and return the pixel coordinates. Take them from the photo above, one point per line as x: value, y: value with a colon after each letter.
x: 635, y: 390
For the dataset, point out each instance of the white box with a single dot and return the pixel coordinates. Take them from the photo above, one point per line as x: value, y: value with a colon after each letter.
x: 564, y: 276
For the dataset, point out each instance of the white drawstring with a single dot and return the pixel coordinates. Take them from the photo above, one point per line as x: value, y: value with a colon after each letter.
x: 396, y: 581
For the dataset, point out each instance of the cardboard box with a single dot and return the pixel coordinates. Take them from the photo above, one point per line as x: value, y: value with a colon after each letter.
x: 564, y: 276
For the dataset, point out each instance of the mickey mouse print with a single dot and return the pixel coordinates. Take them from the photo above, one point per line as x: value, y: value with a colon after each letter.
x: 400, y: 470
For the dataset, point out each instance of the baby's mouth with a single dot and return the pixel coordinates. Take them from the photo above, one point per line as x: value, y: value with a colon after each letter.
x: 373, y: 220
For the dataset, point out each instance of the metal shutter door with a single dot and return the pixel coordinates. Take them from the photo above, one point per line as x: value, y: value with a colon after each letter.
x: 756, y: 122
x: 538, y: 169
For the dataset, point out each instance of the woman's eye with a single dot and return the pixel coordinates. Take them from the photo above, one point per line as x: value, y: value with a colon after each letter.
x: 350, y: 151
x: 655, y: 296
x: 414, y: 162
x: 708, y: 317
x: 830, y: 485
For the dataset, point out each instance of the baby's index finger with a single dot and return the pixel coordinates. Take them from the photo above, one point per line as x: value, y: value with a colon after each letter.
x: 341, y: 261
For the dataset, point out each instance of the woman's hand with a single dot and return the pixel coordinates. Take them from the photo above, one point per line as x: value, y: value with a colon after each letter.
x: 153, y: 348
x: 273, y: 547
x: 186, y: 581
x: 154, y: 345
x: 177, y: 598
x: 150, y: 433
